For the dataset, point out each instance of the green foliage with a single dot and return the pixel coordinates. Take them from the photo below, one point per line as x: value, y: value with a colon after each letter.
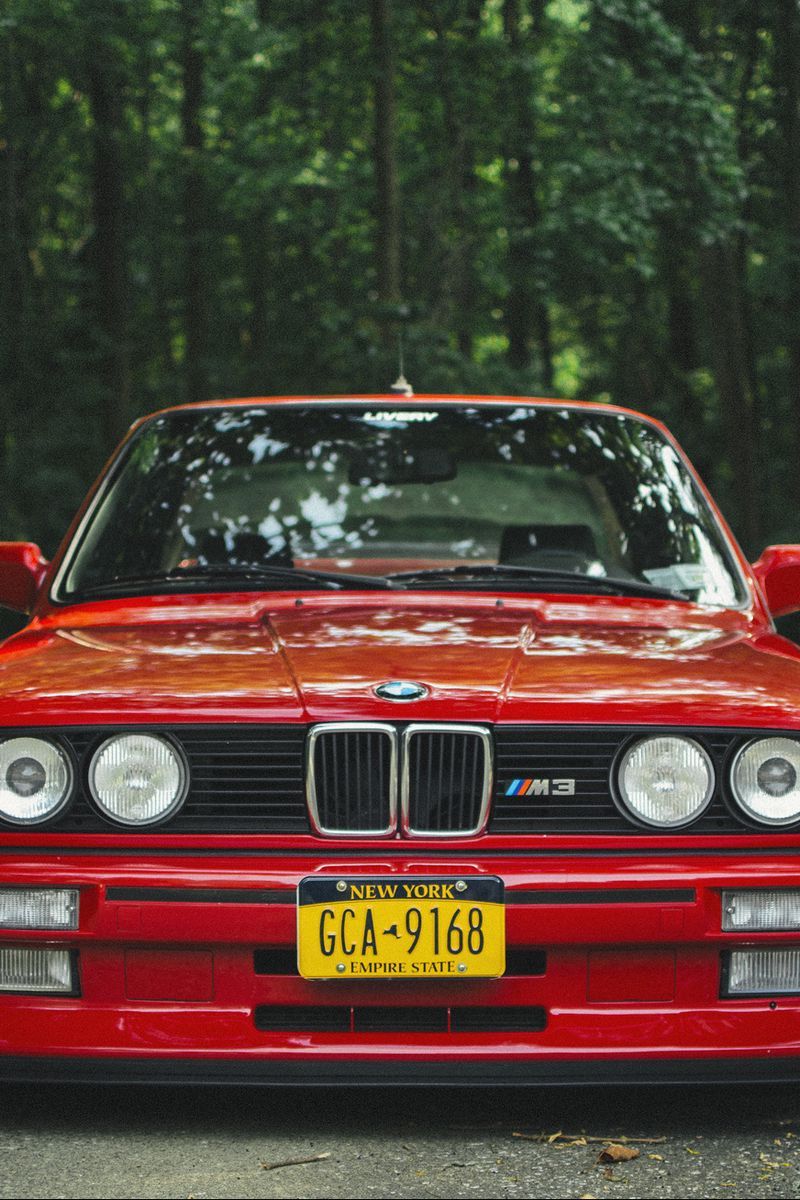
x: 644, y: 132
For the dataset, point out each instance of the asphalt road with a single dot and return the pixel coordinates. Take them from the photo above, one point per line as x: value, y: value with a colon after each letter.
x: 165, y: 1142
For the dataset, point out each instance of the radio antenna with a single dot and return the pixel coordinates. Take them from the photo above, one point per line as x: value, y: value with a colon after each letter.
x: 401, y: 386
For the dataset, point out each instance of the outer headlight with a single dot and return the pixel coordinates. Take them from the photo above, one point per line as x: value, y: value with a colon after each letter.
x: 137, y: 778
x: 765, y: 780
x: 665, y: 781
x: 35, y: 780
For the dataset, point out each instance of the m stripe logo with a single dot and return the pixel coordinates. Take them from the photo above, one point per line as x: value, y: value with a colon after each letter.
x: 541, y: 787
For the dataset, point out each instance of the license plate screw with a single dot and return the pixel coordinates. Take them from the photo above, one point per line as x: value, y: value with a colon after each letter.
x: 461, y: 886
x: 462, y: 967
x: 341, y: 886
x: 340, y: 968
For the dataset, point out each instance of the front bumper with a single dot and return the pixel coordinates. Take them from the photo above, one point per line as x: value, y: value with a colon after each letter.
x: 178, y: 956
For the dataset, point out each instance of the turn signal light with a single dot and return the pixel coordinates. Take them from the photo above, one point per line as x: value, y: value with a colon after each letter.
x: 779, y: 909
x: 38, y: 908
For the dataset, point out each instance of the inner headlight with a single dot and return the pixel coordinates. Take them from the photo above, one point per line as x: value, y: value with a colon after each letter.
x: 137, y: 778
x: 35, y: 780
x: 665, y: 781
x: 765, y: 780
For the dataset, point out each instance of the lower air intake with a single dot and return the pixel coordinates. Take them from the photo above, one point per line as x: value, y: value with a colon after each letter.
x: 391, y: 1019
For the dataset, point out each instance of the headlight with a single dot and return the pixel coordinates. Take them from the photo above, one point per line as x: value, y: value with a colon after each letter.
x: 137, y: 778
x: 765, y: 779
x: 665, y: 781
x: 35, y: 780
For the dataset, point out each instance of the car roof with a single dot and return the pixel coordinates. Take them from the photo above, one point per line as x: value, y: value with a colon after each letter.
x: 400, y: 400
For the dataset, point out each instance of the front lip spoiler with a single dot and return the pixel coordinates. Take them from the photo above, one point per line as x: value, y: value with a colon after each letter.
x: 385, y: 1073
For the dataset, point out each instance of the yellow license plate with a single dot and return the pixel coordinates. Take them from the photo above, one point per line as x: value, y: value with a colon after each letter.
x: 400, y: 928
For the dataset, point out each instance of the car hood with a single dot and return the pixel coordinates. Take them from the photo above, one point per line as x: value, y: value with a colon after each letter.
x: 580, y: 660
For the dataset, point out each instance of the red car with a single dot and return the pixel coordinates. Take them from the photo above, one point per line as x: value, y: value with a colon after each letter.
x: 411, y: 740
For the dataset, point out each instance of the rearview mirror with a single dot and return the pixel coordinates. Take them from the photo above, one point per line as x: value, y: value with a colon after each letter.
x: 386, y: 463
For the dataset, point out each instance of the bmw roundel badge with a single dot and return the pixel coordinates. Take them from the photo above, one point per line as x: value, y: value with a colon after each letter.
x: 400, y: 689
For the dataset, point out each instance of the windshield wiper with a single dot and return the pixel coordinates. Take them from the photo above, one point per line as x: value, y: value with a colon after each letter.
x: 199, y: 578
x: 478, y: 576
x: 486, y: 575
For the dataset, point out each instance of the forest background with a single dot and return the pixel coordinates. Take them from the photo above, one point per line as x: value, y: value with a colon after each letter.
x: 581, y: 198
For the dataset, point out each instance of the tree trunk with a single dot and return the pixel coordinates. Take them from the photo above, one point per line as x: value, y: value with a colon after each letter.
x: 385, y: 155
x: 151, y: 217
x: 747, y: 155
x: 194, y: 231
x: 13, y: 279
x: 14, y: 297
x: 458, y: 287
x: 108, y: 250
x: 787, y: 41
x: 259, y: 236
x: 727, y: 336
x: 723, y: 280
x: 527, y: 318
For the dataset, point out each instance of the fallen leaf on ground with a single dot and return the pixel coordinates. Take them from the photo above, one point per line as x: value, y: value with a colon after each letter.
x: 295, y: 1162
x: 583, y: 1139
x: 769, y: 1162
x: 615, y: 1152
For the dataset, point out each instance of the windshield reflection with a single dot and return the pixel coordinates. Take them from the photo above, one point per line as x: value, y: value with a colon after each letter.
x: 376, y: 492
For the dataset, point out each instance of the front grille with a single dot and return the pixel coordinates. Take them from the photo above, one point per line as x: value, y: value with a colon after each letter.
x: 447, y: 773
x: 251, y: 779
x: 352, y: 779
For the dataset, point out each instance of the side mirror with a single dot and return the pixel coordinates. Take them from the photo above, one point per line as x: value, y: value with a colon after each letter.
x: 22, y: 572
x: 778, y: 572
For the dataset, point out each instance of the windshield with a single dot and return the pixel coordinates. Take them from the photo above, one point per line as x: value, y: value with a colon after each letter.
x: 381, y: 491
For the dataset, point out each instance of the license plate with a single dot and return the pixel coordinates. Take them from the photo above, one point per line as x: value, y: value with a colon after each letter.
x: 357, y: 927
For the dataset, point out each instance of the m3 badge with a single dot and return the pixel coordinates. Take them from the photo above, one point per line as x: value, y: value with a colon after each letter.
x: 541, y: 787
